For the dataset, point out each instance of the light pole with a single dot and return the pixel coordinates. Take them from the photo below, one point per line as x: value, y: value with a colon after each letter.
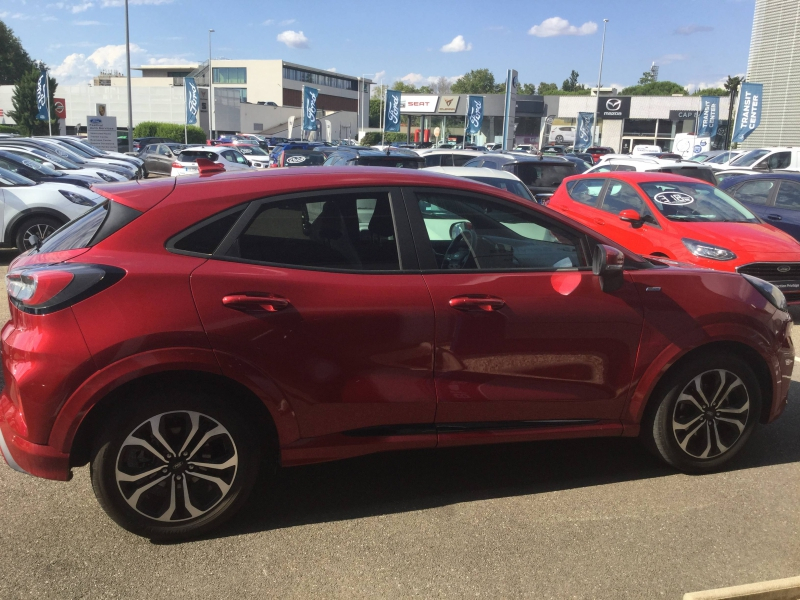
x: 210, y: 89
x: 599, y: 78
x: 128, y: 55
x: 360, y: 94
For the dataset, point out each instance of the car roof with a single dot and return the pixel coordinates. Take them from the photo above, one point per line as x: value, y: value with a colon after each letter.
x: 636, y: 177
x: 509, y: 157
x: 215, y: 149
x: 473, y: 172
x: 435, y: 151
x: 734, y: 179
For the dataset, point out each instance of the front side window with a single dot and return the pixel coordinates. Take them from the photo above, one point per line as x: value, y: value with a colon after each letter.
x: 433, y: 161
x: 586, y: 191
x: 476, y: 233
x: 788, y: 195
x: 755, y: 192
x: 780, y: 160
x: 621, y: 196
x: 349, y: 231
x: 696, y: 202
x: 239, y: 158
x: 748, y: 158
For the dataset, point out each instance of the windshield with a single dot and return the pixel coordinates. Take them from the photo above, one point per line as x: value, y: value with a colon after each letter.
x: 75, y: 149
x: 252, y: 150
x: 510, y: 185
x: 84, y: 146
x: 15, y: 161
x: 720, y: 158
x: 748, y: 158
x: 696, y: 202
x: 9, y: 178
x: 388, y: 161
x: 41, y: 155
x: 190, y: 156
x: 66, y: 153
x: 537, y: 174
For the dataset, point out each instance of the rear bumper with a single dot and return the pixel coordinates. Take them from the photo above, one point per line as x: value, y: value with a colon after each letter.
x: 26, y: 457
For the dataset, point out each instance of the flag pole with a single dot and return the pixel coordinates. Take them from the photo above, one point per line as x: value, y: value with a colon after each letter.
x: 47, y: 87
x: 185, y: 116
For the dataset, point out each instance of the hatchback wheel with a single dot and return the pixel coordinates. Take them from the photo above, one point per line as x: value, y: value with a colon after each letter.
x: 175, y: 467
x: 704, y: 414
x: 40, y: 227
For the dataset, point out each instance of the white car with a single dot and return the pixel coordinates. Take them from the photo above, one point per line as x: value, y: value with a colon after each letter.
x: 644, y: 149
x: 644, y: 164
x: 31, y: 209
x: 61, y: 164
x: 84, y: 144
x: 562, y: 133
x: 448, y: 158
x: 230, y: 158
x: 494, y: 146
x: 256, y: 155
x: 785, y: 159
x: 496, y: 178
x: 93, y: 156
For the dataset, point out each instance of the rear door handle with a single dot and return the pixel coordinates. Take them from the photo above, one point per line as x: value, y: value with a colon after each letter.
x: 268, y: 303
x: 600, y: 221
x: 487, y: 303
x: 775, y: 217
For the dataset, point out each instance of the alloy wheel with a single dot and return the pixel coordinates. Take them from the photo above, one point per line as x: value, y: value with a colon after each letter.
x: 710, y: 414
x: 40, y: 230
x: 176, y: 466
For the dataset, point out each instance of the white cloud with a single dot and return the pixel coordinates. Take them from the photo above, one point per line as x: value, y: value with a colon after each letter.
x: 79, y: 8
x: 293, y: 39
x: 79, y: 68
x: 412, y: 78
x: 457, y: 45
x: 287, y: 22
x: 49, y: 18
x: 703, y: 85
x: 86, y: 23
x: 18, y: 16
x: 671, y: 58
x: 268, y: 22
x: 118, y: 3
x: 419, y: 79
x: 379, y: 75
x: 332, y: 70
x: 555, y: 26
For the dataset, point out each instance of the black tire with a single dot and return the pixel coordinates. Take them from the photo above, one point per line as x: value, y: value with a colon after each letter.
x: 35, y: 225
x: 145, y: 172
x: 184, y: 478
x: 559, y: 138
x: 696, y: 436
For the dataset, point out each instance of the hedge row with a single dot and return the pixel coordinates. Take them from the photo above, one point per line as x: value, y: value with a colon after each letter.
x: 8, y: 129
x: 373, y: 138
x: 169, y: 130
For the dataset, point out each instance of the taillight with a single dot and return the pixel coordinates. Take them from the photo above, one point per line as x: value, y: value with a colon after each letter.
x: 177, y: 165
x: 44, y: 289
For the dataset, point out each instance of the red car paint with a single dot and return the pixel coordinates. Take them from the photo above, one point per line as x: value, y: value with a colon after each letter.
x: 757, y: 242
x: 390, y: 355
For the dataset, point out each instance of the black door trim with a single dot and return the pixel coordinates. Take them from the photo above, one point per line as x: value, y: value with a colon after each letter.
x: 429, y: 428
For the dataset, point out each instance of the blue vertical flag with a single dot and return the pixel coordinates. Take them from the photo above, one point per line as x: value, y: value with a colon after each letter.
x: 749, y: 114
x: 391, y: 117
x: 708, y: 117
x: 310, y: 108
x: 42, y: 97
x: 474, y: 114
x: 583, y: 131
x: 192, y: 100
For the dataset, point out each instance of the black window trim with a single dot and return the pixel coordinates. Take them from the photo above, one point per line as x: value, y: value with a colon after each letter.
x: 427, y: 260
x: 405, y: 250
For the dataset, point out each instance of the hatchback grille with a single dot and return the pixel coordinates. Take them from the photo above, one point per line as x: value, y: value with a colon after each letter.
x: 785, y: 276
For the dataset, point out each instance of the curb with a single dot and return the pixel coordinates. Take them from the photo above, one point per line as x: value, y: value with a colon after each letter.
x: 777, y: 589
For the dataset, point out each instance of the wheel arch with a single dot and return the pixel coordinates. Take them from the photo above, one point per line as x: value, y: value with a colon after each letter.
x: 11, y: 229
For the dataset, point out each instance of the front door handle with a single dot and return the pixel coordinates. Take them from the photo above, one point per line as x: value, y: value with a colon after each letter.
x: 600, y: 221
x: 475, y: 302
x: 775, y: 217
x: 269, y: 303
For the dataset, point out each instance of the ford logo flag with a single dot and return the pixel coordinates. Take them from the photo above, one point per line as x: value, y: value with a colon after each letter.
x: 583, y: 131
x: 474, y: 114
x: 310, y: 108
x: 391, y: 119
x: 42, y: 104
x: 749, y: 114
x: 708, y: 117
x: 192, y: 100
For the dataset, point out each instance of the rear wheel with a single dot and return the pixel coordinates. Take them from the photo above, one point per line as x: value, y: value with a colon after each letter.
x: 559, y: 138
x: 705, y: 412
x: 175, y: 466
x: 39, y: 226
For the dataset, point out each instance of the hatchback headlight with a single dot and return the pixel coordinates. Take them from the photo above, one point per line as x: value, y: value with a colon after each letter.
x: 77, y: 198
x: 704, y: 250
x: 769, y: 291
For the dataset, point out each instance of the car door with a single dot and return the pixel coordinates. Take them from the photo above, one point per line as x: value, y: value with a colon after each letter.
x: 320, y: 296
x: 524, y: 335
x: 785, y: 214
x: 163, y: 159
x: 758, y: 195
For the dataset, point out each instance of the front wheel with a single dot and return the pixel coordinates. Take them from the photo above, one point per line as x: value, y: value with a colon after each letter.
x: 175, y: 466
x: 704, y: 413
x: 559, y: 138
x: 39, y: 226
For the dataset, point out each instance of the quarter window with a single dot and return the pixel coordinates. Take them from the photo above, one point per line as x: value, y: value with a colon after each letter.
x: 481, y: 234
x: 788, y: 195
x: 341, y: 231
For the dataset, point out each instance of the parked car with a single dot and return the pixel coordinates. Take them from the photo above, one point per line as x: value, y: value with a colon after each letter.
x: 95, y: 157
x: 140, y: 143
x: 449, y: 158
x: 581, y: 166
x: 229, y: 358
x: 158, y: 158
x: 767, y: 159
x: 50, y: 146
x: 598, y: 152
x: 775, y: 197
x: 584, y: 156
x: 40, y: 173
x: 541, y: 175
x: 527, y: 148
x: 716, y: 157
x: 491, y: 146
x: 367, y: 157
x: 84, y: 146
x: 677, y: 218
x: 257, y: 156
x: 231, y: 159
x: 558, y: 150
x: 290, y: 145
x: 38, y: 209
x: 562, y: 133
x: 61, y: 164
x: 301, y: 158
x: 502, y: 180
x: 645, y: 164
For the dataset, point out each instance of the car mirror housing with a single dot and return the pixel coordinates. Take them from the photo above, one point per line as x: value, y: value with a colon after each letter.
x: 608, y: 263
x: 633, y: 217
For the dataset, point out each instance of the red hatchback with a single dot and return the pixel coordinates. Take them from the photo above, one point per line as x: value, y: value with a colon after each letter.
x: 191, y: 330
x: 683, y: 219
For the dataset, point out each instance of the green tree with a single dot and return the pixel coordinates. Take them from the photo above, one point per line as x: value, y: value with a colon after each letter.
x: 547, y: 89
x: 426, y: 89
x: 657, y: 88
x: 23, y: 100
x: 711, y: 92
x: 647, y: 77
x: 526, y: 89
x: 732, y: 85
x: 14, y: 61
x: 571, y: 84
x: 406, y: 88
x: 477, y: 81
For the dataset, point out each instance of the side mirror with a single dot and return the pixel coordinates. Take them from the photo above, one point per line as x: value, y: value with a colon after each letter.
x: 457, y: 228
x: 608, y: 263
x: 49, y: 165
x: 631, y: 216
x: 762, y: 166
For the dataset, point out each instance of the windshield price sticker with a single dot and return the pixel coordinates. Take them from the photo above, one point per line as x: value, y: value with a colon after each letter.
x: 673, y: 198
x: 296, y: 159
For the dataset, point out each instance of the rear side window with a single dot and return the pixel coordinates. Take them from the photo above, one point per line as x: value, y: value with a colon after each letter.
x: 388, y: 161
x: 340, y: 231
x: 433, y: 161
x: 544, y: 175
x: 586, y: 191
x: 459, y: 160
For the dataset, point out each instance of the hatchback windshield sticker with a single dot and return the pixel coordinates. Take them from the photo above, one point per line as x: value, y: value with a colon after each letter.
x: 673, y: 198
x: 29, y: 163
x: 296, y: 159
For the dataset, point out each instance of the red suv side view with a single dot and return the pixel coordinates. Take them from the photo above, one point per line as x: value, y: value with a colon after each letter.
x: 191, y: 330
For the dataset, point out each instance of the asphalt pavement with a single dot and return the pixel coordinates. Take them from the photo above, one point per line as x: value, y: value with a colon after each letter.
x: 568, y: 519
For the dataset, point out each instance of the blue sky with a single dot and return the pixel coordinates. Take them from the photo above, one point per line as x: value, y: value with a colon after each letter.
x: 695, y: 42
